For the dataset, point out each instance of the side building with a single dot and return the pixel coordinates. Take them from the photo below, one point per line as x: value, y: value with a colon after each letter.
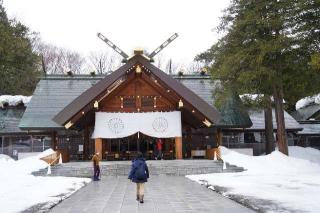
x: 308, y: 116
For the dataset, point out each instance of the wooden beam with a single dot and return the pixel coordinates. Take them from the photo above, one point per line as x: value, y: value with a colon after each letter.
x: 178, y: 147
x: 54, y: 140
x: 173, y: 97
x: 103, y: 96
x: 219, y: 143
x: 98, y: 146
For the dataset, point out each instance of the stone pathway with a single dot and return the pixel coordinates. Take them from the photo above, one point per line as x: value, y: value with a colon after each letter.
x: 162, y: 194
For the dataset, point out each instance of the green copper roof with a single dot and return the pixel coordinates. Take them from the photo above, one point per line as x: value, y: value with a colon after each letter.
x: 51, y: 95
x: 9, y: 119
x: 233, y: 112
x: 54, y: 92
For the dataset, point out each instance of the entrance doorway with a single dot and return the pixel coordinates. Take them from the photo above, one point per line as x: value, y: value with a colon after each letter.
x: 126, y: 148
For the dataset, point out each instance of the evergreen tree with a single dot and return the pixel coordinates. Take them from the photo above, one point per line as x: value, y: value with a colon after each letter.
x: 267, y: 49
x: 18, y: 63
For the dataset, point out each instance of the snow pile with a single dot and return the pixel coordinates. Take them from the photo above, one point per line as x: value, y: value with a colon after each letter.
x: 14, y: 100
x: 21, y: 190
x: 291, y: 183
x: 307, y: 153
x: 5, y: 157
x: 307, y: 101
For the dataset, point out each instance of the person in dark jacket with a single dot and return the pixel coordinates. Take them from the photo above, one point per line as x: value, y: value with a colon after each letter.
x: 139, y: 174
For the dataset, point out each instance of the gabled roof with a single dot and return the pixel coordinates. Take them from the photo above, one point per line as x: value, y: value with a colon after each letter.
x: 54, y: 92
x: 306, y: 112
x: 257, y: 118
x: 90, y: 94
x: 51, y: 95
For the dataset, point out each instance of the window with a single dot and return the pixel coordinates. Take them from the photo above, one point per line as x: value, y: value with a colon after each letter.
x: 147, y: 101
x: 129, y: 102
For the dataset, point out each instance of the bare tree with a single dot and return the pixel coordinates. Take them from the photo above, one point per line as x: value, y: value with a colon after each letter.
x: 169, y: 67
x: 194, y: 67
x: 159, y: 61
x: 176, y: 67
x: 103, y: 62
x: 57, y: 60
x: 71, y: 61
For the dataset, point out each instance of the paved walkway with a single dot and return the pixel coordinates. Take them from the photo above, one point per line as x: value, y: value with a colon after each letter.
x: 162, y: 194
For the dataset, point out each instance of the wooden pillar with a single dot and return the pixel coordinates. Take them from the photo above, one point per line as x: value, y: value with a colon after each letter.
x: 98, y: 146
x: 54, y: 140
x: 219, y: 143
x: 178, y: 143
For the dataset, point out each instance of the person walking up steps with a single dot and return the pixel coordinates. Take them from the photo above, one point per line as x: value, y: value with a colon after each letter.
x: 96, y: 167
x: 139, y: 174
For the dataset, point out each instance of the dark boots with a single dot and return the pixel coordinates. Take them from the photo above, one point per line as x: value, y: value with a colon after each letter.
x: 141, y: 199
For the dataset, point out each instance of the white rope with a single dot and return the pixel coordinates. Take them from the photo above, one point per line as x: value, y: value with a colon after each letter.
x: 49, y: 167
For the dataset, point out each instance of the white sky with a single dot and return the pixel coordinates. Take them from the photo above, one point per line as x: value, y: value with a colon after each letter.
x: 73, y: 24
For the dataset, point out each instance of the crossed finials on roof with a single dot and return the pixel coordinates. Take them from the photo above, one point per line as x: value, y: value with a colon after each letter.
x: 126, y: 56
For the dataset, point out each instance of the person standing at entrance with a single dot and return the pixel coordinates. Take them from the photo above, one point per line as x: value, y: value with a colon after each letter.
x: 159, y: 148
x: 139, y: 174
x: 96, y: 167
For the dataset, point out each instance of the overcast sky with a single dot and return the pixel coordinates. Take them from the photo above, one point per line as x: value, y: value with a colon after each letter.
x: 129, y: 24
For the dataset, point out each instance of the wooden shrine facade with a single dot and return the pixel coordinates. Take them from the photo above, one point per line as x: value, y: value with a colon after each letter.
x: 140, y: 87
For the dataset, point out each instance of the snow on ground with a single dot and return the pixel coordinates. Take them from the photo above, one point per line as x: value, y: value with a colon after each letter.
x: 307, y: 101
x: 290, y: 183
x: 14, y: 100
x: 19, y: 190
x: 307, y: 153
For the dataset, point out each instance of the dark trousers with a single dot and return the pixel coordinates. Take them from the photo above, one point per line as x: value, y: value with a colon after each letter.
x: 96, y: 172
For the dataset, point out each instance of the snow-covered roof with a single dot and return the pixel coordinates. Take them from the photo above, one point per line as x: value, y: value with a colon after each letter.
x: 254, y: 97
x: 14, y: 100
x: 258, y: 123
x: 310, y: 128
x: 308, y: 101
x: 307, y: 113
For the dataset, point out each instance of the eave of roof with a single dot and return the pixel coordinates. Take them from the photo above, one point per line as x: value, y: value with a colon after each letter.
x: 9, y: 120
x: 306, y: 112
x: 89, y: 95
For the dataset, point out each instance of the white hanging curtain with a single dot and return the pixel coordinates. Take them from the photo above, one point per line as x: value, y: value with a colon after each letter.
x: 154, y: 124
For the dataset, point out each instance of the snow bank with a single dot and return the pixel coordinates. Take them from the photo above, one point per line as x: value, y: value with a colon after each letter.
x: 307, y: 101
x: 14, y: 100
x: 20, y: 190
x: 293, y: 183
x: 306, y: 153
x: 5, y: 157
x: 275, y: 163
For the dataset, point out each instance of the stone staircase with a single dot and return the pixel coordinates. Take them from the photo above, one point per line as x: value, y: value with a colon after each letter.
x: 121, y: 168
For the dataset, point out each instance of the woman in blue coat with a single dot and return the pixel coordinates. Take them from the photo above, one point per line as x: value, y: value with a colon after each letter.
x: 139, y: 174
